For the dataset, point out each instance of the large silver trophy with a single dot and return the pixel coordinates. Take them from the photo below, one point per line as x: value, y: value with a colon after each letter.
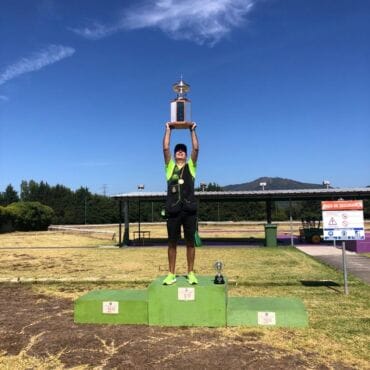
x: 181, y: 106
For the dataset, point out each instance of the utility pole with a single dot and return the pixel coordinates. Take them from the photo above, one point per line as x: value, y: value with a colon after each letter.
x: 105, y: 187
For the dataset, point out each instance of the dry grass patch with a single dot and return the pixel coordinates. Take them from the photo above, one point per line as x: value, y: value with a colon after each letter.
x: 213, y: 230
x: 339, y: 325
x: 48, y: 239
x: 251, y: 271
x: 157, y: 230
x: 210, y: 229
x: 26, y: 362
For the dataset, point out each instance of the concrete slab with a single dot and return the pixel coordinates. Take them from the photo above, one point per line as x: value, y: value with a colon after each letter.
x: 357, y: 265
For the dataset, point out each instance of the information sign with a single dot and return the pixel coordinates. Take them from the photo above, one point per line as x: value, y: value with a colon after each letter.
x: 343, y: 220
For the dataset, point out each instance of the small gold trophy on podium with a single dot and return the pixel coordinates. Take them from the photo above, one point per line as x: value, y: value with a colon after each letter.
x: 181, y: 106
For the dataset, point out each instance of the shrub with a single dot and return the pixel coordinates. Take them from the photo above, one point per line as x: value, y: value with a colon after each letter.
x: 6, y: 220
x: 30, y: 216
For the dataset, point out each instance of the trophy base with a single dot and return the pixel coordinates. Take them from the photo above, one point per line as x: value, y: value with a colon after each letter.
x: 181, y: 125
x: 219, y: 279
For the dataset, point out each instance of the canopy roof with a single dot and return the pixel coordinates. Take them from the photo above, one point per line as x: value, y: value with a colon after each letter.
x: 259, y: 195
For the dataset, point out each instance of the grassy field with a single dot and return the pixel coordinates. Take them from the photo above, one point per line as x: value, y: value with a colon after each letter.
x: 339, y: 325
x: 49, y: 239
x: 158, y: 230
x: 207, y: 229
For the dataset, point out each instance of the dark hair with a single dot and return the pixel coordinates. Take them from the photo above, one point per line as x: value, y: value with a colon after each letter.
x: 180, y: 147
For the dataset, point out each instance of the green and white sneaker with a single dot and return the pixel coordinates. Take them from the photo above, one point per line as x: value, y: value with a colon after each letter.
x: 170, y: 279
x: 192, y: 278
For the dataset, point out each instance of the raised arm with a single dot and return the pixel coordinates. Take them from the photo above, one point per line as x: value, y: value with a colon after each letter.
x: 194, y: 143
x: 166, y: 144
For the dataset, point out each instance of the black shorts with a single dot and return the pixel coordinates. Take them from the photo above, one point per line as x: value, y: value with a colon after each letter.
x: 188, y: 220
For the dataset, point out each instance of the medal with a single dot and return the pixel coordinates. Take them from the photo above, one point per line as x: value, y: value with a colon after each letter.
x: 181, y: 181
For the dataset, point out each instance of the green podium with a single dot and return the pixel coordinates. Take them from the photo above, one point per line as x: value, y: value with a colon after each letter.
x: 112, y: 307
x: 266, y: 311
x: 181, y: 304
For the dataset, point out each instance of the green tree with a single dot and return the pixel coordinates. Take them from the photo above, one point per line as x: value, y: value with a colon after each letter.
x: 212, y: 186
x: 310, y: 209
x: 82, y: 206
x: 25, y: 192
x: 9, y: 196
x: 29, y: 216
x: 6, y: 220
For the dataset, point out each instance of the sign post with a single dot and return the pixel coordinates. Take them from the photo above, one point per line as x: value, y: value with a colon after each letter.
x: 343, y: 220
x: 344, y: 262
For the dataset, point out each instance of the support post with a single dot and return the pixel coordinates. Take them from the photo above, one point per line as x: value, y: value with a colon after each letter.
x: 139, y: 221
x: 126, y: 234
x: 269, y: 211
x: 344, y: 267
x: 291, y: 223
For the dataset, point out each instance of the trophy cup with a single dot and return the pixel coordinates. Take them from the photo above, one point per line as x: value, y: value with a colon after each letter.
x: 181, y: 106
x: 219, y: 279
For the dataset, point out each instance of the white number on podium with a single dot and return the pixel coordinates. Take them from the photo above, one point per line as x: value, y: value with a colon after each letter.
x: 266, y: 318
x: 186, y: 294
x: 111, y: 307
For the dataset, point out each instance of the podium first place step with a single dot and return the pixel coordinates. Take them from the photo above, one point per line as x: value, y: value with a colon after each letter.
x: 182, y: 304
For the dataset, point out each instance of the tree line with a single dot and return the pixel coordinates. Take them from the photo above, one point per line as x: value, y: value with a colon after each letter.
x: 70, y: 207
x: 81, y: 206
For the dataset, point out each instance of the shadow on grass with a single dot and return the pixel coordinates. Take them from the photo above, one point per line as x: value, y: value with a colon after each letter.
x: 263, y: 284
x: 320, y: 283
x: 211, y: 242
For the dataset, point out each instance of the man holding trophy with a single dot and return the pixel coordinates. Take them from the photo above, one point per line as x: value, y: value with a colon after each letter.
x: 181, y: 205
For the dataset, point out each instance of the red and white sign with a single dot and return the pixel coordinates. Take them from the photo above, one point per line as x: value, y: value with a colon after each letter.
x: 343, y: 220
x: 338, y: 205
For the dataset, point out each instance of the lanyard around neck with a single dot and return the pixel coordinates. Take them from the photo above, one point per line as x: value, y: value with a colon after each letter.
x: 182, y: 170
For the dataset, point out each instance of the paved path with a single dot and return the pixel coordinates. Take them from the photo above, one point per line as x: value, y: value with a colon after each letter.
x: 357, y: 265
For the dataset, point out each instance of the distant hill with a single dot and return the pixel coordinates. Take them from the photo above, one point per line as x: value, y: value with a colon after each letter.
x: 273, y: 183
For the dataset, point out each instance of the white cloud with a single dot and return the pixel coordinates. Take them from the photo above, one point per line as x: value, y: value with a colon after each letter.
x: 96, y: 31
x: 38, y: 60
x: 201, y: 21
x: 3, y: 98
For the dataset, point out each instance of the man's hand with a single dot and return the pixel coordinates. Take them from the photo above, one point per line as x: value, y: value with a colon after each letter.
x: 193, y: 126
x: 168, y: 127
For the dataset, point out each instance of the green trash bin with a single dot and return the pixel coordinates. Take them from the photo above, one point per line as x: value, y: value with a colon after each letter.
x: 270, y: 235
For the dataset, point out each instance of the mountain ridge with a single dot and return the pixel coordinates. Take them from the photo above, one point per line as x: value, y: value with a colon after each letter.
x: 272, y: 183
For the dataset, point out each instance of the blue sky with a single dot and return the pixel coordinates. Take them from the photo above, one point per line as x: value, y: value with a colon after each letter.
x: 278, y: 88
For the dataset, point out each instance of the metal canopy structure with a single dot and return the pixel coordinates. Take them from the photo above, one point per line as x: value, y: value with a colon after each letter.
x: 258, y: 195
x: 267, y: 196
